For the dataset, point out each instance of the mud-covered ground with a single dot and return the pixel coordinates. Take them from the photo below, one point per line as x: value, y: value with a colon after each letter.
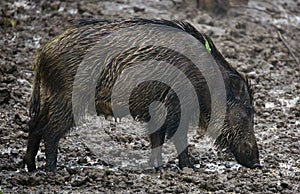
x: 259, y: 39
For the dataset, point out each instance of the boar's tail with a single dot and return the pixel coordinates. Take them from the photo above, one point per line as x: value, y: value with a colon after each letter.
x: 35, y: 101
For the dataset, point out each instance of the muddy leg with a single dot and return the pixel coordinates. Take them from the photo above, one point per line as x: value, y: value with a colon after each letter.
x: 51, y: 150
x: 157, y: 140
x: 181, y: 145
x: 58, y: 126
x: 36, y: 129
x: 33, y: 144
x: 184, y: 159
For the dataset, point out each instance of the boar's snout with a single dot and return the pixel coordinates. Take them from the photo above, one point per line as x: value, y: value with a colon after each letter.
x: 247, y: 155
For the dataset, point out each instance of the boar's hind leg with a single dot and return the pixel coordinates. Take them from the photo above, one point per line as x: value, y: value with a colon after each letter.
x: 36, y: 129
x: 157, y: 140
x: 34, y: 139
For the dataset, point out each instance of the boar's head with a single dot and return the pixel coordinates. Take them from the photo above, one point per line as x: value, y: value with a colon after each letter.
x: 238, y: 134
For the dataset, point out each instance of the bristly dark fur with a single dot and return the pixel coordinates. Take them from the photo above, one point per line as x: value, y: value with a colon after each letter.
x: 250, y: 88
x: 183, y: 25
x: 92, y: 21
x: 56, y: 65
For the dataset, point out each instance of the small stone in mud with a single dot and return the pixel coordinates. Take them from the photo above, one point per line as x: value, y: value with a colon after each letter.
x: 82, y: 160
x: 138, y: 9
x: 20, y: 119
x: 8, y: 69
x: 4, y: 95
x: 40, y: 157
x: 187, y: 170
x: 284, y: 185
x: 28, y: 180
x: 21, y: 134
x: 9, y: 79
x: 79, y: 182
x: 72, y: 170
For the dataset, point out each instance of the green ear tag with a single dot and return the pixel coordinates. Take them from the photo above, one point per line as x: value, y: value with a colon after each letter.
x: 207, y: 46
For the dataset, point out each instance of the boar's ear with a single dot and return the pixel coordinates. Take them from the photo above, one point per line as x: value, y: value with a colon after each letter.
x: 237, y: 86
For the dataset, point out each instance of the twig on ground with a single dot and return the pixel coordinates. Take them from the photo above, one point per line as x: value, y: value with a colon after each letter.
x: 288, y: 47
x: 247, y: 7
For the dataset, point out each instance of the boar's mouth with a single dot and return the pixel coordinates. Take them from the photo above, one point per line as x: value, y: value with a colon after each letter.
x: 248, y: 162
x: 244, y: 152
x: 256, y: 165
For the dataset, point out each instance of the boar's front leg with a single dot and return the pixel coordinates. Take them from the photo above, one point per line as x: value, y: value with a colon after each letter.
x: 60, y: 122
x: 157, y: 140
x: 181, y: 145
x: 51, y: 149
x: 180, y: 140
